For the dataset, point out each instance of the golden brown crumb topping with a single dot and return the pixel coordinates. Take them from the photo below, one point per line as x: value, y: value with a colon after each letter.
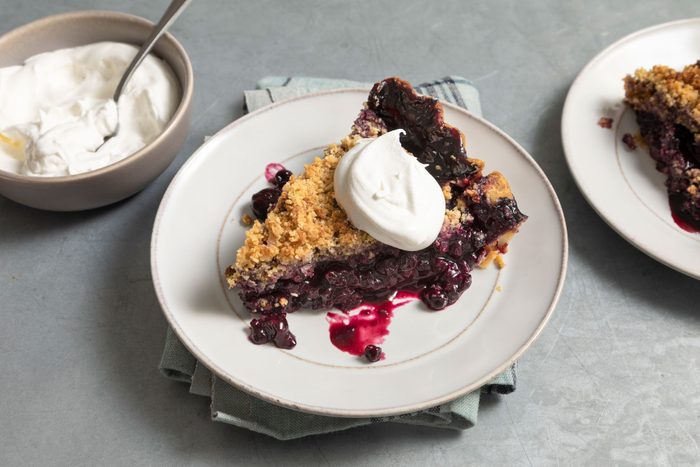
x: 672, y: 94
x: 305, y: 221
x: 496, y: 187
x: 246, y: 219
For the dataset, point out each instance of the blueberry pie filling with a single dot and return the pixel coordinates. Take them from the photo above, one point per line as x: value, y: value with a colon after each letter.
x: 303, y: 252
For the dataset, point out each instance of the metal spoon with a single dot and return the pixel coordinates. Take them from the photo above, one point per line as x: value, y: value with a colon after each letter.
x: 173, y: 11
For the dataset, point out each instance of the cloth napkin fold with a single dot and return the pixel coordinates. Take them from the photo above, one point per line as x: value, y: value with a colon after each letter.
x: 231, y: 405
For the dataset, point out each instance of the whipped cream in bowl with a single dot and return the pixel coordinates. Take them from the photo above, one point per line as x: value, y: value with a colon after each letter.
x: 389, y: 194
x: 56, y: 107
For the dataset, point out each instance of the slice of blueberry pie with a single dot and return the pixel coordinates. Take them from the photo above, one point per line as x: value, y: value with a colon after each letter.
x: 396, y: 205
x: 667, y: 105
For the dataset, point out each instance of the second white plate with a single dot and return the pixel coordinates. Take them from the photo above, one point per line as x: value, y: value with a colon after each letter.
x: 623, y: 186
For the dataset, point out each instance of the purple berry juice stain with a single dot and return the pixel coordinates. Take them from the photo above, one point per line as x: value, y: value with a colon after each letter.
x: 368, y: 324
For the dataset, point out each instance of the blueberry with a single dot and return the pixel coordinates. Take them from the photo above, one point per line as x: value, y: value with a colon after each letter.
x: 477, y: 239
x: 424, y: 263
x: 383, y: 282
x: 285, y: 340
x: 441, y: 264
x: 452, y: 297
x: 373, y: 353
x: 450, y: 274
x: 408, y: 274
x: 258, y: 336
x: 338, y: 277
x: 463, y: 266
x: 435, y: 297
x: 408, y: 262
x: 457, y: 248
x: 279, y: 324
x: 441, y: 245
x: 264, y: 201
x: 371, y: 280
x: 262, y: 331
x: 282, y: 177
x: 272, y: 328
x: 366, y: 279
x: 463, y: 281
x: 452, y: 292
x: 446, y: 267
x: 387, y: 267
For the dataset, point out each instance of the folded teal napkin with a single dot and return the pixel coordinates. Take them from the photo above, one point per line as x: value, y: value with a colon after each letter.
x: 231, y: 405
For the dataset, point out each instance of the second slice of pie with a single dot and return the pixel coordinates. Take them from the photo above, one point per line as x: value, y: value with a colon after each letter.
x: 667, y: 105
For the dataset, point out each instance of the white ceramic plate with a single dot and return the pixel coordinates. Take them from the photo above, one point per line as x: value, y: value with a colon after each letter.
x: 623, y: 186
x: 431, y: 357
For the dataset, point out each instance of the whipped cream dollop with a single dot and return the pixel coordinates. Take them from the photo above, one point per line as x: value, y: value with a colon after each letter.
x: 57, y: 109
x: 389, y: 194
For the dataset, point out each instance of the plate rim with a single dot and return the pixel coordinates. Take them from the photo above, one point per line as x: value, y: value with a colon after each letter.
x: 566, y: 142
x: 306, y: 408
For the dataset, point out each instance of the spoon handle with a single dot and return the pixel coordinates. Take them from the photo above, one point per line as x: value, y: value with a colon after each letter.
x: 174, y: 10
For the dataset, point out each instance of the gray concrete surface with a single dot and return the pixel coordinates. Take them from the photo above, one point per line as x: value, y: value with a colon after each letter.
x: 614, y: 379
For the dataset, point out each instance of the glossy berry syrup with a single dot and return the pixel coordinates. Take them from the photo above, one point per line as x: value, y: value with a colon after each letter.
x: 272, y: 328
x: 367, y: 325
x: 680, y: 222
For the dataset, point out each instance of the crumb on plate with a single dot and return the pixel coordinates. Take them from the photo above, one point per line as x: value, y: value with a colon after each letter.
x: 247, y: 220
x: 629, y: 141
x: 500, y: 262
x: 605, y: 122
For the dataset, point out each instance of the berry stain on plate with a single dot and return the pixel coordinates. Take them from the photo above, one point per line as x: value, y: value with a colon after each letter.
x: 271, y: 170
x: 360, y: 331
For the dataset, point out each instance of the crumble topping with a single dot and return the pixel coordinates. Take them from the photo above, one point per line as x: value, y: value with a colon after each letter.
x: 247, y: 220
x: 447, y: 191
x: 674, y: 95
x: 496, y: 188
x: 605, y: 122
x: 500, y: 262
x: 306, y: 220
x: 491, y: 255
x: 453, y: 217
